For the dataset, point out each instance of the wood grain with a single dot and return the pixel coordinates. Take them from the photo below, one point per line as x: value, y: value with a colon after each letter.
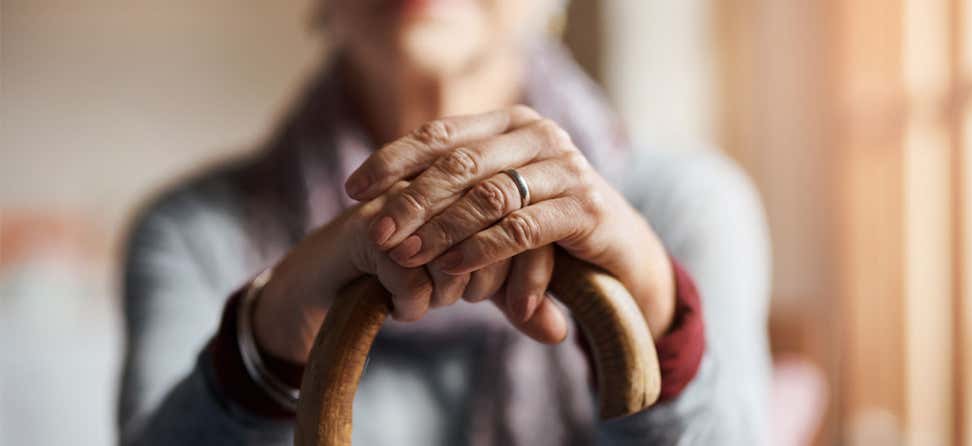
x: 624, y: 353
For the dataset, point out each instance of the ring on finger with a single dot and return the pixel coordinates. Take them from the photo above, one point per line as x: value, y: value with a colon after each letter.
x: 521, y: 186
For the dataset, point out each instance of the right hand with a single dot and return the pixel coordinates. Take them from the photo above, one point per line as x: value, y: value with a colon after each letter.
x: 292, y: 307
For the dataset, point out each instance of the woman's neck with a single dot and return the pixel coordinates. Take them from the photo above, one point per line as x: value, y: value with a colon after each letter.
x: 394, y: 102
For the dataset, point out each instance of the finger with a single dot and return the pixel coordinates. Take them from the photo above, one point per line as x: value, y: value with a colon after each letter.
x: 547, y: 222
x: 372, y: 207
x: 414, y: 152
x: 547, y: 325
x: 527, y: 281
x: 458, y: 170
x: 485, y: 282
x: 366, y: 256
x: 481, y: 207
x: 411, y: 288
x: 447, y: 289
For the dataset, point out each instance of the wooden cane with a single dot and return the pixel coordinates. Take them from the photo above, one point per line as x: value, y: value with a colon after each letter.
x: 624, y: 353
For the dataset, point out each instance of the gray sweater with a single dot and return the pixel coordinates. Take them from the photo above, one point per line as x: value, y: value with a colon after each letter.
x: 461, y: 375
x: 187, y: 254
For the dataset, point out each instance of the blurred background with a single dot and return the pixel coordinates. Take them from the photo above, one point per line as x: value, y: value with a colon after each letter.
x: 853, y: 117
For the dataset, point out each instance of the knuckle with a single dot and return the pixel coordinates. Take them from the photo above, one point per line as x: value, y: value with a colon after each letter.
x: 414, y: 201
x: 592, y: 202
x: 577, y: 164
x: 522, y: 229
x: 399, y: 186
x: 491, y: 198
x: 553, y: 135
x: 436, y: 231
x: 481, y: 246
x: 588, y: 177
x: 459, y: 163
x: 434, y: 133
x: 523, y: 112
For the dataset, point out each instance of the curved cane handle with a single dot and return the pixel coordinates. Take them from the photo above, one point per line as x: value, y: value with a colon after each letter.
x: 624, y: 353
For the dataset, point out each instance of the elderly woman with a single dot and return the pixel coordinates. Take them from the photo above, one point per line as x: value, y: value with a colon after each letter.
x: 408, y: 158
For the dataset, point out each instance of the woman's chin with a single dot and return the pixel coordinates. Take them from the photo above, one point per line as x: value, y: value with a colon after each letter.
x: 440, y: 49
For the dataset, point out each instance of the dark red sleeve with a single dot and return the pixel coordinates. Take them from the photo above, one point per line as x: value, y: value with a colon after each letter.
x: 231, y: 376
x: 680, y: 350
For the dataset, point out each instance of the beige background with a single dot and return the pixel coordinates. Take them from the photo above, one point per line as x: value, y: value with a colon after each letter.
x: 104, y: 99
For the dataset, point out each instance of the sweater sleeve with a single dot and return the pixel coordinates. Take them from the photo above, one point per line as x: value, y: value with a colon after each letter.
x: 169, y: 392
x: 709, y: 217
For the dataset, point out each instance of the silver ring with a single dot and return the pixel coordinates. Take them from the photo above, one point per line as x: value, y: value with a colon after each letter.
x: 521, y: 185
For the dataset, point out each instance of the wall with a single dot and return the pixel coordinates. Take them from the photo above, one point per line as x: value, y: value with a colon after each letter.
x: 101, y: 103
x: 103, y: 100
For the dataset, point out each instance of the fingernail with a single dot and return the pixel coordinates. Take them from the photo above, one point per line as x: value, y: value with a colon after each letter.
x: 407, y: 249
x: 525, y: 307
x: 355, y: 186
x: 381, y: 231
x: 450, y: 261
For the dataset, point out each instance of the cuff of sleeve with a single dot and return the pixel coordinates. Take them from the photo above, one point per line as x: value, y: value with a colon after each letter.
x: 680, y: 350
x: 231, y: 376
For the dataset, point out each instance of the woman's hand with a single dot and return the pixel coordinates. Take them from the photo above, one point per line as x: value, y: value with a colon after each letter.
x: 461, y: 213
x: 305, y: 282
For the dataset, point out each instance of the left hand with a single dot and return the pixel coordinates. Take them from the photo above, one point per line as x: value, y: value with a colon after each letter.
x: 462, y: 214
